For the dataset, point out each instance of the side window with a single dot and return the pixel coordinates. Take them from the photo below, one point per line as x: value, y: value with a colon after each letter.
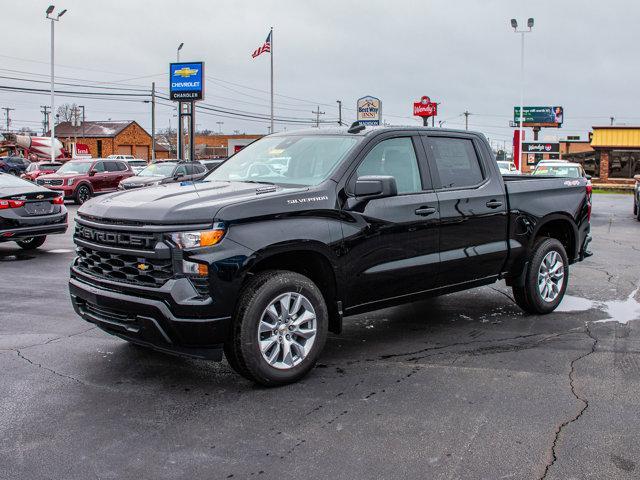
x: 181, y: 170
x: 456, y: 162
x: 189, y: 169
x: 199, y: 168
x: 122, y: 167
x: 111, y: 166
x: 99, y: 167
x: 395, y: 157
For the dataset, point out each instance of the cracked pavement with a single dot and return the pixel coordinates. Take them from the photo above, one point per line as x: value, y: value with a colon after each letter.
x: 461, y: 386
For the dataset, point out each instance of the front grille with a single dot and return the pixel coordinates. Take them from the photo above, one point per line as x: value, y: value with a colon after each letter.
x: 124, y: 268
x: 47, y: 182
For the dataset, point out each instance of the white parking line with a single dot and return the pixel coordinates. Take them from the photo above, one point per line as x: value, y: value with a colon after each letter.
x: 59, y: 250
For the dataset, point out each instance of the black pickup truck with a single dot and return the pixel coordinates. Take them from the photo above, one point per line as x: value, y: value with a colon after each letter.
x: 270, y: 251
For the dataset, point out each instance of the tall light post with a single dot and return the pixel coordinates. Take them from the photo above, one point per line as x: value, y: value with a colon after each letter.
x: 49, y: 11
x: 514, y: 25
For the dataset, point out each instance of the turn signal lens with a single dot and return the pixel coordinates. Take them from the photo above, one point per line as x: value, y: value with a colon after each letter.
x: 193, y: 268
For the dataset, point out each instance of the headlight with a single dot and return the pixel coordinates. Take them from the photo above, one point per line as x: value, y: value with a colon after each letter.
x: 70, y: 181
x: 203, y: 238
x: 120, y: 186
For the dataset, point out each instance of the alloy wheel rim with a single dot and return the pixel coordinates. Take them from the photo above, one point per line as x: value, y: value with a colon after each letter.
x: 551, y: 276
x: 287, y: 330
x: 83, y: 194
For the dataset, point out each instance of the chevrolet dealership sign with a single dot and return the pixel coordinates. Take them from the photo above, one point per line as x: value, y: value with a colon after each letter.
x: 186, y: 81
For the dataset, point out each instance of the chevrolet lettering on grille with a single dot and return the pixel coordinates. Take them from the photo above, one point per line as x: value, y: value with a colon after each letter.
x: 115, y: 238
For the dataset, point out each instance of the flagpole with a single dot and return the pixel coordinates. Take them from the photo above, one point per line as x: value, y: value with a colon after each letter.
x: 272, y: 131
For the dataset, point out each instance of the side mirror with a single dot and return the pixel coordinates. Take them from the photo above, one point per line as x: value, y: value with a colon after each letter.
x: 92, y: 173
x: 375, y: 186
x: 588, y: 177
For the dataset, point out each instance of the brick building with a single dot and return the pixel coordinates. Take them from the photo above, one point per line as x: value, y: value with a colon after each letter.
x: 123, y: 137
x: 221, y: 145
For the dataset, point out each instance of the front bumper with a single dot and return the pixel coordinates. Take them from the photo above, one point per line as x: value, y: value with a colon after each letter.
x: 149, y: 316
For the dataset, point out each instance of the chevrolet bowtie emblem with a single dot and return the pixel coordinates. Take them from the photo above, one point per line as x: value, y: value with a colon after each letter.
x: 39, y: 196
x: 143, y: 266
x: 185, y: 72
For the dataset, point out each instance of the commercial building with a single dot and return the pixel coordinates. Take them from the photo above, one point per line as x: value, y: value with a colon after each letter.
x: 106, y: 138
x: 617, y: 152
x: 208, y: 146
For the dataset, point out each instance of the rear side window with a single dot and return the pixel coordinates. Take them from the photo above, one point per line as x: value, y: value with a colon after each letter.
x: 456, y: 162
x: 122, y: 166
x: 111, y: 166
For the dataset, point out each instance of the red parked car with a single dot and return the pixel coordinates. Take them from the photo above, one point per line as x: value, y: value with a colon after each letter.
x: 79, y: 180
x: 40, y: 168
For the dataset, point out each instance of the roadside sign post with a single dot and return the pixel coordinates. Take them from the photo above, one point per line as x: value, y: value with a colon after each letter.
x: 425, y: 108
x: 369, y: 110
x: 186, y: 86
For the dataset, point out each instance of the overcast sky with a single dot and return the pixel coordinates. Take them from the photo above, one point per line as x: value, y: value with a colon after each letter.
x: 463, y: 53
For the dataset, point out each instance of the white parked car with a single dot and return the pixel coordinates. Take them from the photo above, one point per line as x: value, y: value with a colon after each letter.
x: 507, y: 168
x: 136, y: 164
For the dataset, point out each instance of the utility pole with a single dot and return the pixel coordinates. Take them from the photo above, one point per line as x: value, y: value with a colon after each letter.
x: 612, y: 119
x: 45, y: 120
x: 318, y: 113
x: 153, y: 121
x: 466, y: 119
x: 7, y: 110
x: 441, y: 122
x: 220, y: 127
x: 514, y: 25
x: 339, y: 102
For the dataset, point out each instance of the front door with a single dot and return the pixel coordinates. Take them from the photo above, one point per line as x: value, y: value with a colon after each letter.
x: 391, y: 244
x: 473, y: 206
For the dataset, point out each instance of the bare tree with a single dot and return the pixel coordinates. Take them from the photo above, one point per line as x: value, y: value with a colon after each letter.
x: 66, y: 111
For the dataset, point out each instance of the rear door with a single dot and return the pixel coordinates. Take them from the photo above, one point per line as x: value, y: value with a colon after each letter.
x: 473, y: 207
x: 391, y: 244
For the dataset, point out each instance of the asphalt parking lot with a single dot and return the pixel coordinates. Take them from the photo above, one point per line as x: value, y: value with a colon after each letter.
x: 462, y: 386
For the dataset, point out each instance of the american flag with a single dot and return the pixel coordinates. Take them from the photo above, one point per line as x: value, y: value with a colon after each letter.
x: 266, y: 47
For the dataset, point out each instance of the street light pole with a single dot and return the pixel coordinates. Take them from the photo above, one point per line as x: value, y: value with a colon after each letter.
x: 514, y: 25
x: 179, y: 133
x: 49, y: 11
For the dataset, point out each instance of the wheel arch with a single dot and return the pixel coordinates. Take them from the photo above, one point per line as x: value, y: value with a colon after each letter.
x: 310, y: 262
x: 561, y: 227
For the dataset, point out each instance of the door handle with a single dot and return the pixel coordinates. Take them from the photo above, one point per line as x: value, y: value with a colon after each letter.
x: 494, y: 204
x: 425, y: 211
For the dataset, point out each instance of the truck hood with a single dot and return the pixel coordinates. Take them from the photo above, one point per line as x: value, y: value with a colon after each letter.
x: 178, y: 203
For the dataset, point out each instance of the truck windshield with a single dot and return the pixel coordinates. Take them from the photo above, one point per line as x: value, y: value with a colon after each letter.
x: 558, y: 171
x: 287, y: 160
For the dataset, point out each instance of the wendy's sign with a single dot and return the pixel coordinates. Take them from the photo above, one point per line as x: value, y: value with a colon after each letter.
x: 425, y: 108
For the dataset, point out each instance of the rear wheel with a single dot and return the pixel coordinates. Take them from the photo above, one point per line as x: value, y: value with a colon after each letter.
x: 31, y: 243
x: 279, y: 328
x: 83, y: 193
x: 546, y: 278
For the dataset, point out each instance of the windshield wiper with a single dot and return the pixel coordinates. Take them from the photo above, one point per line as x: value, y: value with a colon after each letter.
x: 257, y: 181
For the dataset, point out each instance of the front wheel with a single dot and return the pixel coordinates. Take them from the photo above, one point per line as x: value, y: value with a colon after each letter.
x: 279, y: 328
x: 31, y: 243
x: 546, y: 278
x: 83, y: 193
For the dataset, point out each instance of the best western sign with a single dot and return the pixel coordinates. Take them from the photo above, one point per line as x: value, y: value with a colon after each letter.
x: 186, y: 81
x: 369, y: 110
x: 540, y: 147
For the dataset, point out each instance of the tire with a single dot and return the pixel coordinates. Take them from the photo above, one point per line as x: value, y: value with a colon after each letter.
x: 270, y: 291
x: 31, y: 243
x: 83, y: 193
x: 530, y: 297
